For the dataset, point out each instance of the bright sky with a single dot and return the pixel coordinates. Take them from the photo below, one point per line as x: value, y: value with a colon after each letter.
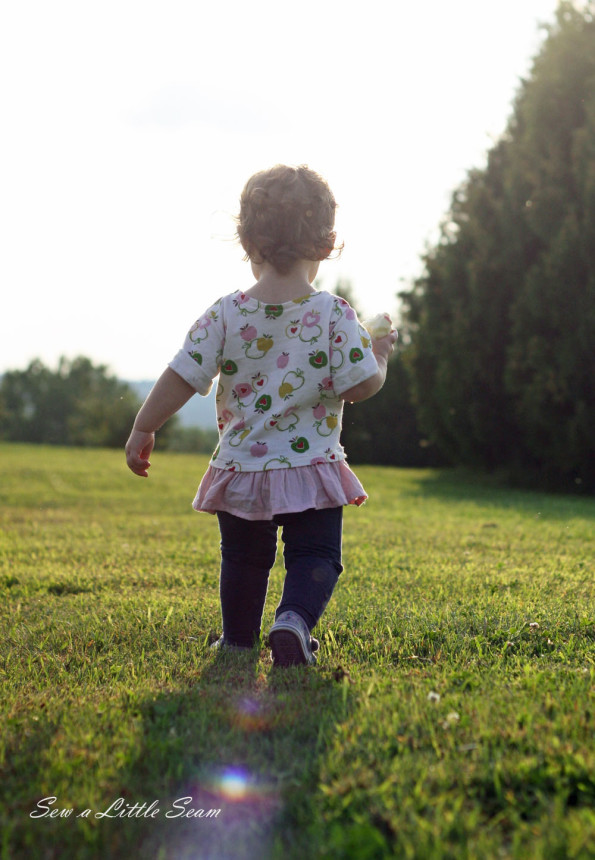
x: 130, y: 128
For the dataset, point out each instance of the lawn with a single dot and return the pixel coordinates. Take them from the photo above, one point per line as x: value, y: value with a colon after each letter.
x: 451, y: 714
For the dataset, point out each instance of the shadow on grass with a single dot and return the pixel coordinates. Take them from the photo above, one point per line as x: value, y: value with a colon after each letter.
x: 461, y: 486
x: 225, y: 768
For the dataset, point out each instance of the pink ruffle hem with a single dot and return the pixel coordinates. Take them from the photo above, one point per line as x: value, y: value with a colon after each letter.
x: 261, y: 495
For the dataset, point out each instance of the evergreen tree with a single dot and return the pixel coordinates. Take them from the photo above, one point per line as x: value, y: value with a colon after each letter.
x: 551, y: 368
x: 503, y: 318
x: 383, y: 430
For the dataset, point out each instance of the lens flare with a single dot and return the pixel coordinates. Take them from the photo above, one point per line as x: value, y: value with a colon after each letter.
x: 251, y: 714
x: 234, y: 785
x: 227, y: 807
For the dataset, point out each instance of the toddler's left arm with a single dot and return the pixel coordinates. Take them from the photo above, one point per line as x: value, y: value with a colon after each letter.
x: 382, y: 347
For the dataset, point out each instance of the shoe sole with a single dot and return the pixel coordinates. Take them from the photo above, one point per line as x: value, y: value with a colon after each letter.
x: 287, y: 649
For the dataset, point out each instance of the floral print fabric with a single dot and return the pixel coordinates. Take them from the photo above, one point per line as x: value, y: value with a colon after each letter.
x: 282, y: 369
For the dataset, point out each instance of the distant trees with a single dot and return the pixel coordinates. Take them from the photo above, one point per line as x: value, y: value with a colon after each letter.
x: 77, y: 404
x: 503, y: 319
x: 81, y: 404
x: 193, y: 440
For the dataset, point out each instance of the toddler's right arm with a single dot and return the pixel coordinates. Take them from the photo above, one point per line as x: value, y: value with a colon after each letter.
x: 169, y: 394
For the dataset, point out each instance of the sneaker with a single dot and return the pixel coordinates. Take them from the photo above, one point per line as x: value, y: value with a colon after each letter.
x: 221, y: 645
x: 291, y: 643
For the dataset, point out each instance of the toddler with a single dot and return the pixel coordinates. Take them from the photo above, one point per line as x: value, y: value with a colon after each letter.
x: 286, y: 356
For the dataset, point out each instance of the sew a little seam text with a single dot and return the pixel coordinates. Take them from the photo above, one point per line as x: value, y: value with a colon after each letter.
x: 179, y: 808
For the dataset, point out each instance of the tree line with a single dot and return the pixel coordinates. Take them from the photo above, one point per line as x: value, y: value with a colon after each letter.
x: 79, y: 403
x: 495, y: 367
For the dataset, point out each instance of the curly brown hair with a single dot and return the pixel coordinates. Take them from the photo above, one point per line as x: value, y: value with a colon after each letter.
x: 286, y: 214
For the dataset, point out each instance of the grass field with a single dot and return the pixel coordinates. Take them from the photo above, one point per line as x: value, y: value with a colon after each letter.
x: 451, y: 715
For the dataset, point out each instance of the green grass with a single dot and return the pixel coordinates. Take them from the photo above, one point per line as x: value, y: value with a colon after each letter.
x: 451, y: 715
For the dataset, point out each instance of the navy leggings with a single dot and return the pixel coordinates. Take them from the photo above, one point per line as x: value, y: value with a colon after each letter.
x: 312, y: 555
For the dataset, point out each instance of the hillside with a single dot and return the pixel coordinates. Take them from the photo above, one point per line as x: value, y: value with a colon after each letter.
x: 198, y: 412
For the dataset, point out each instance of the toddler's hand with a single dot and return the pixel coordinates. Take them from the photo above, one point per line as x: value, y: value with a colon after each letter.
x: 383, y: 347
x: 138, y: 450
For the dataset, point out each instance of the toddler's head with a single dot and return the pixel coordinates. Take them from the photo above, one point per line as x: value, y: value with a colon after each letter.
x: 286, y: 214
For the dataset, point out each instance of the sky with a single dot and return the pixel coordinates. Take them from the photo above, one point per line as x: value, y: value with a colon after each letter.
x: 129, y: 129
